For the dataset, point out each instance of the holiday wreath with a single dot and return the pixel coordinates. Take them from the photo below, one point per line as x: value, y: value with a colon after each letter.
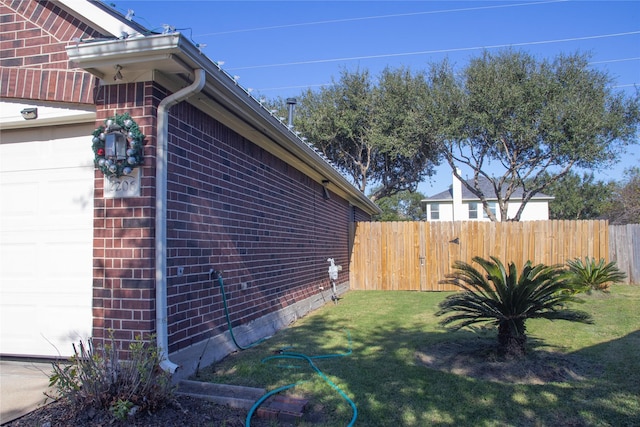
x: 117, y: 146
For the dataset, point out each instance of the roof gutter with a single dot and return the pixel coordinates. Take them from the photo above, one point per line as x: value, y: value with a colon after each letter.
x: 231, y: 104
x: 162, y: 333
x: 222, y: 88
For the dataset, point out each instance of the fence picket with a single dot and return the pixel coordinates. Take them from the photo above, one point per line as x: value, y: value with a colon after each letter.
x: 418, y: 255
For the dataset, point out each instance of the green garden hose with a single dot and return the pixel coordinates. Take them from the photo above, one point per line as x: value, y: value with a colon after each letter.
x: 287, y: 355
x: 226, y: 312
x: 309, y: 359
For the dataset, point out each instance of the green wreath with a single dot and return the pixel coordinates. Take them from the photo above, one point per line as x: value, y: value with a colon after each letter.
x: 113, y: 167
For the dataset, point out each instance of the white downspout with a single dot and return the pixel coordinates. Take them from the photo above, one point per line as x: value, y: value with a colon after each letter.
x: 162, y: 334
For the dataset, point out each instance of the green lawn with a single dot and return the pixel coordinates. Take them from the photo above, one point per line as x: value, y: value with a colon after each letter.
x: 389, y: 386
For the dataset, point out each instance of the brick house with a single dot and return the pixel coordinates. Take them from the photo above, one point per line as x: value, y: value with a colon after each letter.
x: 224, y: 186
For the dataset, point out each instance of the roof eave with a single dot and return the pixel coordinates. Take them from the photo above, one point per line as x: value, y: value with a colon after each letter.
x: 172, y: 57
x: 100, y: 17
x: 490, y: 199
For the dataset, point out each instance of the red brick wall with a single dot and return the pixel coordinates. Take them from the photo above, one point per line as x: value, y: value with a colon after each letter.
x: 232, y: 206
x: 124, y: 244
x: 33, y: 61
x: 238, y: 209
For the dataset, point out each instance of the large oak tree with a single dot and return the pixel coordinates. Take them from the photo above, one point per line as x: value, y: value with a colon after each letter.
x: 531, y: 120
x: 373, y: 130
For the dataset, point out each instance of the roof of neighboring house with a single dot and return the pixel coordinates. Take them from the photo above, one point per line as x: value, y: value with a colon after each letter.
x: 486, y: 188
x: 171, y: 59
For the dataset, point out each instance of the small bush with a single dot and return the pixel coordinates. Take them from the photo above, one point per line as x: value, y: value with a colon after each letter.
x: 594, y: 276
x: 99, y: 379
x: 500, y: 296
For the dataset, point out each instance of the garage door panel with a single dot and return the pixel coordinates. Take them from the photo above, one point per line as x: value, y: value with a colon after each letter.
x: 12, y: 255
x: 46, y: 243
x: 67, y: 260
x: 15, y: 206
x: 68, y: 193
x: 65, y: 200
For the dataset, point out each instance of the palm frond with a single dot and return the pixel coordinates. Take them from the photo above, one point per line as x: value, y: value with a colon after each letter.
x: 496, y: 294
x: 592, y: 275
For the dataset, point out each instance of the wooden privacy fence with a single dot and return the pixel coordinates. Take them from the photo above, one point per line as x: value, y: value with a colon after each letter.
x: 417, y: 255
x: 624, y: 249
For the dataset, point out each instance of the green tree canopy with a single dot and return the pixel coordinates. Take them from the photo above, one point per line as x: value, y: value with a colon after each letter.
x: 402, y: 206
x: 578, y: 198
x: 625, y: 206
x: 375, y: 132
x: 533, y: 120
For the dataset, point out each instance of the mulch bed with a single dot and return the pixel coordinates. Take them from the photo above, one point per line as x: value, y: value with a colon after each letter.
x: 182, y: 411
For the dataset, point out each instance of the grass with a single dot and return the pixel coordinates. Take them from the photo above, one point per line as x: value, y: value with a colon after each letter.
x: 391, y: 388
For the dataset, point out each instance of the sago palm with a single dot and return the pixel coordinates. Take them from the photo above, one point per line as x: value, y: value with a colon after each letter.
x: 592, y: 275
x: 500, y: 297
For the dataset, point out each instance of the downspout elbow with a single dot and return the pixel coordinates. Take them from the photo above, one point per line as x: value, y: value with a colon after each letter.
x: 162, y: 333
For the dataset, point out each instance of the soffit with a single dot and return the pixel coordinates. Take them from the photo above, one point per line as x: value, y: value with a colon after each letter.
x: 170, y: 59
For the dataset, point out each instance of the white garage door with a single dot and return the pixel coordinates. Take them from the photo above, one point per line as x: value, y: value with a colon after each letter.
x: 46, y: 220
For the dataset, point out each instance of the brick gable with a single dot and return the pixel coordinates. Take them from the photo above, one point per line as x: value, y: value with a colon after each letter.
x: 33, y: 61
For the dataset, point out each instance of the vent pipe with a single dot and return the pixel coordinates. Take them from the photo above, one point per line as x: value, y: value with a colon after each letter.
x: 291, y: 106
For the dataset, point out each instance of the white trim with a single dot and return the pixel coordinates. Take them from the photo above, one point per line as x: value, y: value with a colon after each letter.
x: 48, y: 114
x: 97, y: 17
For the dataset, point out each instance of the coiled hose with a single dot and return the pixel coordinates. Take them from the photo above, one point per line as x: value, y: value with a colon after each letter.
x: 287, y: 355
x: 308, y: 359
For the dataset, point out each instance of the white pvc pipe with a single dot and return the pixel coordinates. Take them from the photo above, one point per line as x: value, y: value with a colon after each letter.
x: 162, y: 333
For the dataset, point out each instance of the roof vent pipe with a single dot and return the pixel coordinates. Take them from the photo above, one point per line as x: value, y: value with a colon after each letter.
x: 291, y: 106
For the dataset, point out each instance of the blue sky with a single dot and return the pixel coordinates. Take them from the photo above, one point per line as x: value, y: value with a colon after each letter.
x: 280, y: 48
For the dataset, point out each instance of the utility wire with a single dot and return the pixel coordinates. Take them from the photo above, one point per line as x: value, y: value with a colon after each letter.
x: 435, y: 51
x: 365, y: 18
x: 608, y: 61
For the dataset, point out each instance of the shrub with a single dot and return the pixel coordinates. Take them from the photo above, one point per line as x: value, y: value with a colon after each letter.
x: 500, y: 296
x: 594, y: 276
x: 100, y: 379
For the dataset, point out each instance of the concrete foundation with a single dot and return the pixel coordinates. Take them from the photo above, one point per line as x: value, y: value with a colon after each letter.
x: 205, y: 353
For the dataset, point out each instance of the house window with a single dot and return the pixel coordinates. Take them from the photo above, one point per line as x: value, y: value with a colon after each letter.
x: 473, y: 210
x: 435, y: 211
x: 492, y: 208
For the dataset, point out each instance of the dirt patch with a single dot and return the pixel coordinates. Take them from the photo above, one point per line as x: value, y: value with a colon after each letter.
x: 479, y: 359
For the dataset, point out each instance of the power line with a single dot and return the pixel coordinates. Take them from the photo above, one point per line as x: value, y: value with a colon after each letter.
x: 430, y: 52
x: 365, y: 18
x: 270, y: 89
x: 608, y: 61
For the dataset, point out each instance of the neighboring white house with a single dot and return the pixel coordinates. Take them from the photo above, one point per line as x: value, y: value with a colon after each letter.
x: 459, y: 204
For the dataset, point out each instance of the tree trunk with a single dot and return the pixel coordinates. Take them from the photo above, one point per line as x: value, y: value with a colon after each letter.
x: 512, y: 340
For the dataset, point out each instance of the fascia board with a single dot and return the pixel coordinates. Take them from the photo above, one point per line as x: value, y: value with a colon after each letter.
x: 136, y: 50
x: 93, y: 14
x: 172, y: 54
